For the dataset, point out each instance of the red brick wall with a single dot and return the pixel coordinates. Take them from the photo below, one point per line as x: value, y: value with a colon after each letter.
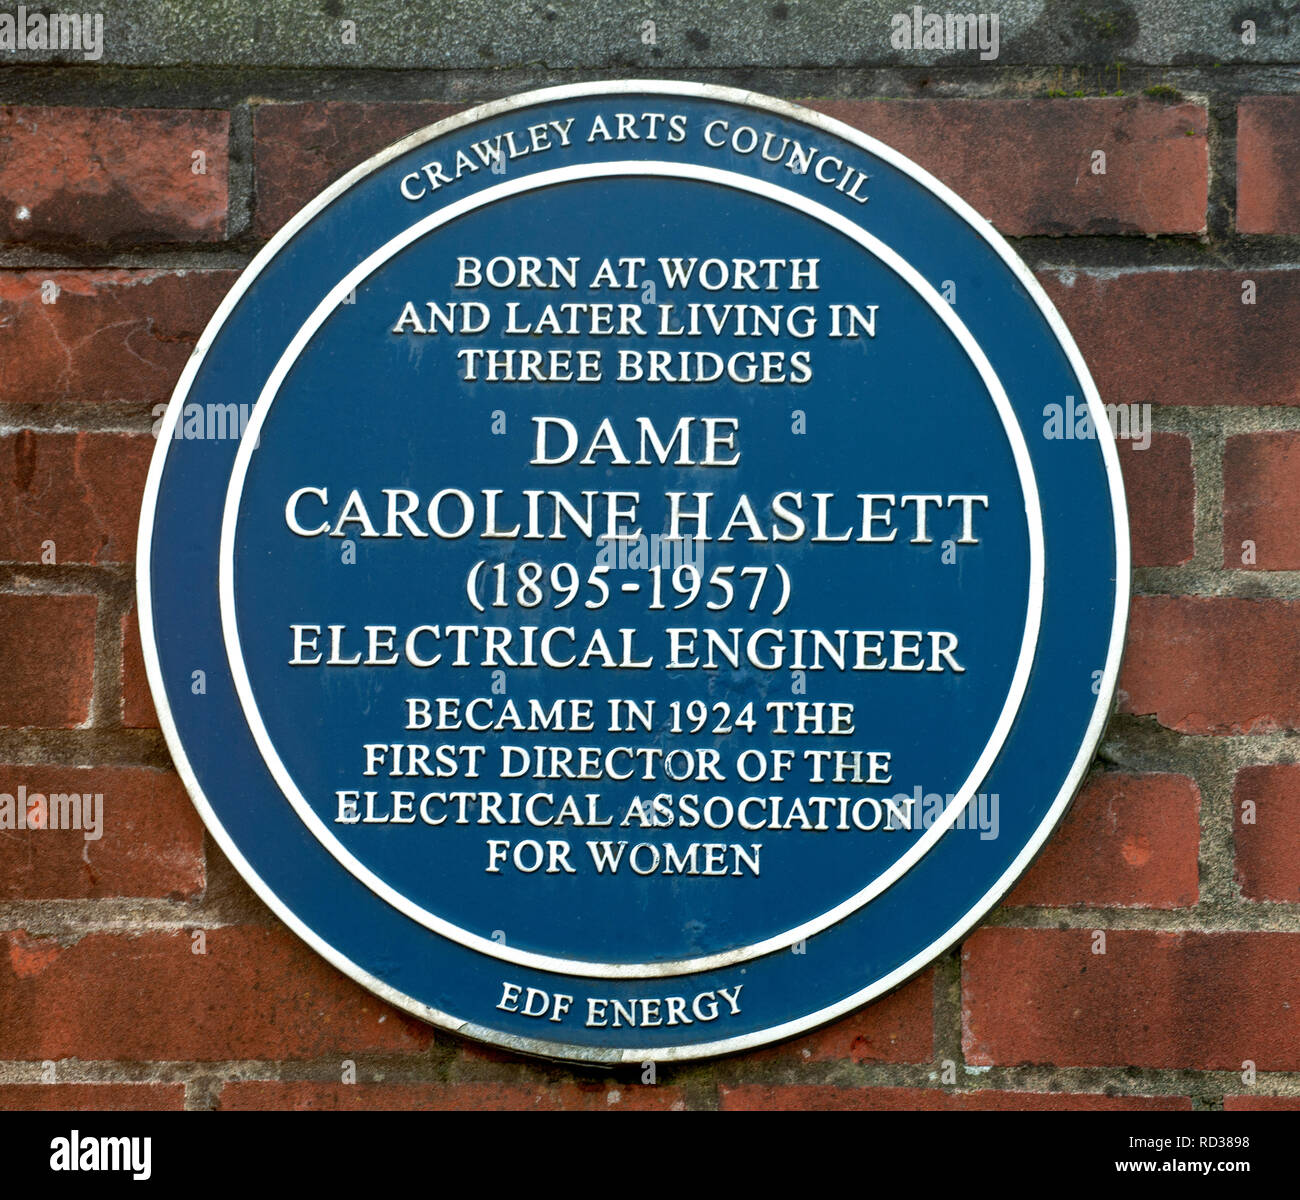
x: 1150, y: 959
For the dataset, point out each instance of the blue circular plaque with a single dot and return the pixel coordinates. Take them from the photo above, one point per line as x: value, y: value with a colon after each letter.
x: 634, y: 571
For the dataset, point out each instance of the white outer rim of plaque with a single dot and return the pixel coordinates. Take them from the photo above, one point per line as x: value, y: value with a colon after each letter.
x: 1092, y: 735
x: 587, y: 968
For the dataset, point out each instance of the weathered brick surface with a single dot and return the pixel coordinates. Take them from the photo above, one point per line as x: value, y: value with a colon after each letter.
x: 1268, y: 147
x: 1261, y: 502
x: 441, y: 1097
x: 1161, y: 499
x: 47, y: 660
x: 1220, y: 665
x: 1202, y: 1001
x: 825, y: 1097
x: 150, y: 839
x: 1266, y: 825
x: 300, y: 149
x: 105, y: 176
x: 101, y: 336
x: 71, y: 497
x: 254, y: 993
x: 897, y: 1028
x: 1129, y: 840
x: 1185, y: 336
x: 91, y: 1097
x: 1156, y: 175
x: 138, y: 710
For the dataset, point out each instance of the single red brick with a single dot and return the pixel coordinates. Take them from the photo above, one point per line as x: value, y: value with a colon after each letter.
x: 1129, y: 840
x: 91, y: 1097
x: 812, y: 1097
x: 1203, y: 1001
x: 112, y: 176
x: 1266, y: 825
x: 150, y: 839
x: 71, y: 497
x: 254, y: 993
x: 446, y: 1097
x: 101, y: 336
x: 1156, y: 169
x: 1213, y: 664
x: 1261, y: 1103
x: 898, y: 1028
x: 1268, y: 147
x: 137, y: 699
x: 47, y: 660
x: 1161, y: 499
x: 1144, y: 334
x: 299, y: 149
x: 1261, y: 501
